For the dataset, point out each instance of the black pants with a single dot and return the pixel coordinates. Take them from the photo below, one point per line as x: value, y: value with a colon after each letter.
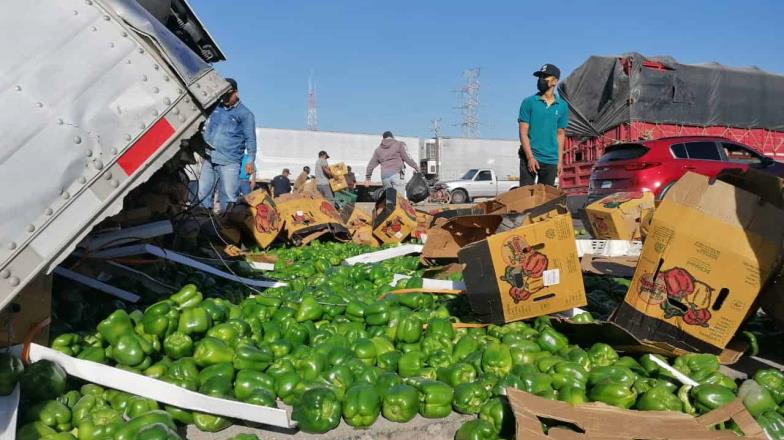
x: 547, y: 173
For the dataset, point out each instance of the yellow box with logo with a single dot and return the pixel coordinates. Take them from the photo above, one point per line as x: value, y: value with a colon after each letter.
x: 306, y: 214
x: 394, y: 218
x: 263, y: 220
x: 618, y: 216
x: 709, y: 250
x: 527, y: 271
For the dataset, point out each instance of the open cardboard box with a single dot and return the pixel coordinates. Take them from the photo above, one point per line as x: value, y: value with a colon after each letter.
x: 395, y: 219
x: 526, y: 271
x: 518, y: 200
x: 618, y: 216
x: 306, y: 217
x: 711, y: 248
x: 359, y: 224
x: 599, y: 421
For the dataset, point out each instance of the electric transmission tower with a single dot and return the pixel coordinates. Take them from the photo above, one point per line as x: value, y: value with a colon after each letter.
x: 470, y: 107
x: 312, y: 118
x: 435, y: 127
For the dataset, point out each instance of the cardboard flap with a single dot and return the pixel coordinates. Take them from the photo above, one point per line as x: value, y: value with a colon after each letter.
x: 621, y: 267
x: 594, y: 421
x: 769, y: 187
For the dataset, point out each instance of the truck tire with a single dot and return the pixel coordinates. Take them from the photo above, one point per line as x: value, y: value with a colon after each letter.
x: 458, y: 196
x: 378, y: 194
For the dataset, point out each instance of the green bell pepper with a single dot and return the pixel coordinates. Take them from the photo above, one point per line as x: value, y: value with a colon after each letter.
x: 211, y: 351
x: 210, y: 422
x: 552, y: 340
x: 389, y: 361
x: 223, y: 369
x: 365, y: 350
x: 68, y: 343
x: 572, y: 395
x: 435, y: 398
x: 362, y: 405
x: 161, y: 318
x: 440, y: 328
x: 499, y: 414
x: 179, y: 414
x: 52, y: 414
x: 602, y: 355
x: 497, y: 359
x: 708, y: 397
x: 115, y: 326
x: 476, y: 429
x: 309, y: 309
x: 466, y: 345
x: 772, y: 423
x: 262, y: 397
x: 178, y: 345
x: 756, y: 398
x: 401, y: 403
x: 659, y: 399
x: 612, y: 374
x: 285, y: 385
x: 770, y: 379
x: 217, y: 308
x: 721, y: 379
x: 194, y: 321
x: 247, y: 356
x: 318, y: 411
x: 248, y: 381
x: 129, y: 350
x: 386, y: 381
x: 615, y: 394
x: 697, y: 366
x: 35, y: 431
x: 158, y: 369
x: 184, y: 372
x: 377, y: 313
x: 42, y: 380
x: 582, y: 318
x: 188, y: 296
x: 70, y: 398
x: 469, y: 397
x: 93, y: 354
x: 456, y: 374
x: 409, y: 329
x: 339, y: 379
x: 411, y: 363
x: 11, y: 369
x: 137, y: 406
x: 227, y: 332
x: 578, y: 355
x: 383, y: 345
x: 130, y: 429
x: 311, y: 364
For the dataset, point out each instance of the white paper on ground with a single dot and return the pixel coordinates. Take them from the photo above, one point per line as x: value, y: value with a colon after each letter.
x: 95, y: 284
x: 182, y: 259
x: 9, y: 406
x: 430, y: 283
x: 261, y: 266
x: 571, y: 313
x: 684, y: 379
x: 609, y: 248
x: 158, y: 390
x: 385, y: 254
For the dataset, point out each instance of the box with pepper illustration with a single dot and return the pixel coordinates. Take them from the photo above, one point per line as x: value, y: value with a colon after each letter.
x: 395, y: 219
x: 263, y: 220
x: 526, y: 271
x: 304, y: 215
x: 710, y: 249
x: 518, y: 200
x: 618, y: 216
x: 338, y: 183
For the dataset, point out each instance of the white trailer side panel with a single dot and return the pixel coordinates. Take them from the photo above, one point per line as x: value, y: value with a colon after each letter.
x: 458, y: 155
x: 294, y: 149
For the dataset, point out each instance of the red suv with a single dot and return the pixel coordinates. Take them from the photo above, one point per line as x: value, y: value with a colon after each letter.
x: 655, y: 165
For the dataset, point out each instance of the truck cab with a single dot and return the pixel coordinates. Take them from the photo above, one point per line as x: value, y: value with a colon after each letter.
x: 477, y: 183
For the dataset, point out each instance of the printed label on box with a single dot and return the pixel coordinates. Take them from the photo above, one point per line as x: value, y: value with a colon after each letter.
x: 551, y: 277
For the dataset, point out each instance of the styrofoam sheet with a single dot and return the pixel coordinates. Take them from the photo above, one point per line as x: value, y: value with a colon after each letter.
x: 96, y: 284
x: 158, y: 390
x: 385, y: 254
x: 609, y: 248
x: 430, y: 283
x: 255, y: 265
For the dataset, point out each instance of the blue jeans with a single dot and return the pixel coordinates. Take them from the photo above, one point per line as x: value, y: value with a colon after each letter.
x: 396, y: 182
x: 224, y: 178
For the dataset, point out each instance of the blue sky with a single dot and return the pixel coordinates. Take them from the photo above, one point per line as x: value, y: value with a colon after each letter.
x: 396, y: 65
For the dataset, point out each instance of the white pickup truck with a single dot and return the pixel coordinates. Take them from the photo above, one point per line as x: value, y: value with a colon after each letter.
x: 476, y: 183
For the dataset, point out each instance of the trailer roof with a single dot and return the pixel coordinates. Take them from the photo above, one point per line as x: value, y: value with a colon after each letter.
x: 607, y: 91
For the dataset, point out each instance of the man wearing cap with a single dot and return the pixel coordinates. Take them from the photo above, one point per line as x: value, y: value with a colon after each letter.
x: 301, y: 179
x: 542, y: 122
x: 281, y: 183
x: 323, y: 174
x: 230, y: 132
x: 392, y: 156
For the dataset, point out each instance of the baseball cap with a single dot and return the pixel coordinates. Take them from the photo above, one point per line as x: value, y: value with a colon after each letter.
x: 232, y: 82
x: 387, y: 134
x: 323, y: 153
x: 286, y: 171
x: 548, y: 70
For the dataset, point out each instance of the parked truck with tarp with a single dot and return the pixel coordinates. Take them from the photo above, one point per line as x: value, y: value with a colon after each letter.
x: 627, y: 98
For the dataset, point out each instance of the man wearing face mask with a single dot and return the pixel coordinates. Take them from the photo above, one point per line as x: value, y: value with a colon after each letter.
x: 542, y: 122
x: 230, y: 131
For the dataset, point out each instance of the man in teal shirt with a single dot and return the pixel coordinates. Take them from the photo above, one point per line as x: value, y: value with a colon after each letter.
x: 542, y: 122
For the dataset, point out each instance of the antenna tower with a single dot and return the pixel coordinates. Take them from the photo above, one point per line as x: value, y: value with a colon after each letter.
x: 435, y: 127
x: 312, y: 118
x: 470, y: 107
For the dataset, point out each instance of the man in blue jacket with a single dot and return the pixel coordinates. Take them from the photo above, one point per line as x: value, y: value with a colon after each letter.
x: 230, y: 131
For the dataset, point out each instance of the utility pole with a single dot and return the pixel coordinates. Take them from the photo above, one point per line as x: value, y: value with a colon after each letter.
x: 470, y: 108
x: 312, y: 117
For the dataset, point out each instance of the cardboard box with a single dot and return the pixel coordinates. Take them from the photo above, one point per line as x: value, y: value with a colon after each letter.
x: 597, y: 421
x: 359, y: 224
x: 528, y: 271
x: 395, y: 219
x: 263, y: 221
x: 711, y: 248
x: 445, y: 239
x: 423, y: 220
x: 338, y: 183
x: 618, y: 216
x: 304, y: 215
x: 518, y: 200
x: 339, y: 169
x: 32, y: 305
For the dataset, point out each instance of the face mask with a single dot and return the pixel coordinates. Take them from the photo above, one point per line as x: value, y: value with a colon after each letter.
x: 542, y: 84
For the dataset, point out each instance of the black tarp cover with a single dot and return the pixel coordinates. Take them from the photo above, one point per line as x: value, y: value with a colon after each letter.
x: 601, y: 95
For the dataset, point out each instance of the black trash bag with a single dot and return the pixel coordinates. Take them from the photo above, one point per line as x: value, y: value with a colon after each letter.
x: 416, y: 188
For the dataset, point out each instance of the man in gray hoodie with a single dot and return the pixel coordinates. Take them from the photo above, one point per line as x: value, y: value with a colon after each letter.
x: 392, y: 157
